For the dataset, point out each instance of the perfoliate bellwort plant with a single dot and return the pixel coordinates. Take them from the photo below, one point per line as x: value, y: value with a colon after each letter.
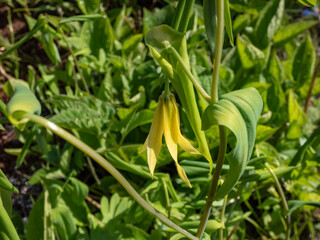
x: 166, y: 122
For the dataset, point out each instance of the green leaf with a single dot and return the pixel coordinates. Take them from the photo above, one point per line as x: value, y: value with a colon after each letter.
x: 6, y: 184
x: 264, y: 132
x: 136, y: 119
x: 39, y: 24
x: 7, y: 230
x: 275, y: 97
x: 78, y: 18
x: 210, y: 22
x: 131, y: 43
x: 129, y: 167
x: 260, y: 175
x: 250, y: 55
x: 303, y: 62
x: 298, y: 157
x: 308, y: 3
x: 294, y: 204
x: 268, y: 22
x: 289, y: 32
x: 88, y: 6
x: 49, y: 46
x: 238, y: 111
x: 25, y: 147
x: 296, y: 113
x: 227, y: 21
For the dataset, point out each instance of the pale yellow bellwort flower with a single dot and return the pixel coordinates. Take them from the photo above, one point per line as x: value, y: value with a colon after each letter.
x: 166, y: 122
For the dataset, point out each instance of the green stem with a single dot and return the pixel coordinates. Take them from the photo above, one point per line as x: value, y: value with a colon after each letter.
x: 218, y: 52
x: 222, y: 130
x: 107, y: 166
x: 214, y: 183
x: 178, y: 13
x: 283, y: 199
x: 185, y: 16
x: 189, y: 74
x: 222, y: 216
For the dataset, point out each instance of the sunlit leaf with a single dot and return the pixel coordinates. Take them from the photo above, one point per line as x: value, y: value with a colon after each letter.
x: 268, y: 22
x: 238, y: 111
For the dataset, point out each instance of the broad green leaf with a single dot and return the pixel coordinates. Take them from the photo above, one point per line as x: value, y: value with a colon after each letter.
x: 268, y: 22
x: 294, y: 204
x: 298, y: 157
x: 297, y: 117
x: 250, y: 55
x: 238, y: 111
x: 136, y: 119
x: 88, y: 6
x: 275, y: 96
x: 98, y: 34
x: 264, y: 132
x: 210, y: 22
x: 227, y: 21
x: 303, y: 62
x: 63, y: 221
x: 131, y: 43
x: 7, y: 230
x: 5, y: 184
x: 49, y: 46
x: 289, y: 32
x: 308, y: 3
x: 159, y: 39
x: 240, y: 23
x: 5, y: 197
x: 81, y: 190
x: 35, y: 220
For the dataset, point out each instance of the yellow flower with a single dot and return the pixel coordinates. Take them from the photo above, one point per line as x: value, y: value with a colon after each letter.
x: 166, y: 122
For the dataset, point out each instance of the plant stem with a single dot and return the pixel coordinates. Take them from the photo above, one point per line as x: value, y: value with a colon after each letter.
x: 313, y: 80
x: 222, y: 130
x: 283, y: 199
x: 222, y: 216
x: 214, y: 183
x: 178, y: 13
x: 191, y: 77
x: 107, y: 166
x: 218, y: 52
x: 185, y: 16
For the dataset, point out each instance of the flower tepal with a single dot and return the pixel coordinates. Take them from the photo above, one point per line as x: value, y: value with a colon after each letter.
x: 166, y: 122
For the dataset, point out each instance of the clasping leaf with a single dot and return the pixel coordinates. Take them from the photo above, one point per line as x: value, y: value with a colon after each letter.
x: 239, y: 112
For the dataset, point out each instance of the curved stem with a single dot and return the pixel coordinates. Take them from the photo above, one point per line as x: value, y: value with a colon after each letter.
x: 218, y: 52
x: 222, y: 216
x: 283, y: 199
x: 107, y: 166
x: 189, y: 74
x: 214, y: 183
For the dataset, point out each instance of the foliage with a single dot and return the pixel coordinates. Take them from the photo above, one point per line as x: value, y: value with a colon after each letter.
x: 99, y: 72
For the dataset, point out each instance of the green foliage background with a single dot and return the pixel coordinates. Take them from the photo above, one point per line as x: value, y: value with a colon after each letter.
x: 95, y: 77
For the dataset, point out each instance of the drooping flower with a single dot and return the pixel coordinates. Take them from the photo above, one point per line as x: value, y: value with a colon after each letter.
x: 166, y: 122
